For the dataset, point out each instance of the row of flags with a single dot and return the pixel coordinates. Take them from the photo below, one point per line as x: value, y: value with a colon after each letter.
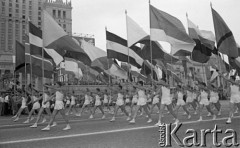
x: 51, y: 46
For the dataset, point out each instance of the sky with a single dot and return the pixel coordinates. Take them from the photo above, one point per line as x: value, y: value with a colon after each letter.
x: 92, y: 16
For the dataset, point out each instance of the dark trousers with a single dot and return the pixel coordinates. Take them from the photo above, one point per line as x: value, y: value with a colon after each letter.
x: 1, y: 109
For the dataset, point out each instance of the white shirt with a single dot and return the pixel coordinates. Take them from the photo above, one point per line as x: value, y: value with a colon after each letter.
x: 1, y: 99
x: 6, y: 99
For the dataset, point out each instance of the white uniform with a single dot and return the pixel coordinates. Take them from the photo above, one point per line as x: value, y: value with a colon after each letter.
x: 120, y: 100
x: 166, y: 96
x: 73, y: 100
x: 155, y: 99
x: 105, y: 100
x: 24, y: 102
x: 68, y: 101
x: 134, y: 99
x: 36, y: 105
x: 189, y: 97
x: 87, y: 100
x: 180, y: 100
x: 45, y: 98
x: 204, y: 98
x: 59, y: 101
x: 214, y: 97
x: 235, y: 96
x: 142, y: 98
x: 98, y: 101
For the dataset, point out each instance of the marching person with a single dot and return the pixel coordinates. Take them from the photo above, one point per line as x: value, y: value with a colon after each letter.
x: 58, y: 107
x: 98, y: 103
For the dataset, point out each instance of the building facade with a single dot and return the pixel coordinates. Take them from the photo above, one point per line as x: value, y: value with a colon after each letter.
x: 14, y: 15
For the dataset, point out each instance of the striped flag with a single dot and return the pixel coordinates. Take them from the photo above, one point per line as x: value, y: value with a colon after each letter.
x: 226, y: 43
x: 38, y: 55
x: 164, y: 27
x: 117, y: 48
x: 20, y: 56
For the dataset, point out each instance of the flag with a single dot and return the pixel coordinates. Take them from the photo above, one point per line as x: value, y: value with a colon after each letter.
x: 134, y: 32
x: 204, y: 43
x: 57, y: 58
x: 115, y: 70
x: 164, y: 27
x: 56, y: 38
x: 117, y: 48
x: 214, y: 74
x: 226, y: 43
x: 38, y: 55
x: 20, y: 56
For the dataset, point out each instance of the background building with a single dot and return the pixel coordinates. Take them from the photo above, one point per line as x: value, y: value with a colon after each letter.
x: 14, y: 16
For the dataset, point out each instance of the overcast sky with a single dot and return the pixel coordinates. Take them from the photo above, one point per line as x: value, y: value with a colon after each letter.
x: 91, y: 16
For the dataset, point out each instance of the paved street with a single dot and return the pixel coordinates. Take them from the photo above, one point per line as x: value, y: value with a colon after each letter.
x: 98, y: 133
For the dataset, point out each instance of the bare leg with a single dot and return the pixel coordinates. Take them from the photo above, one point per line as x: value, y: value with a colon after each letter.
x: 124, y: 110
x: 62, y: 112
x: 145, y: 108
x: 39, y: 114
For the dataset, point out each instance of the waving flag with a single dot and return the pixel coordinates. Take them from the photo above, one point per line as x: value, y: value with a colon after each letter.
x: 134, y: 32
x: 56, y: 38
x: 117, y: 48
x: 38, y: 55
x: 165, y: 27
x: 226, y: 43
x: 20, y: 56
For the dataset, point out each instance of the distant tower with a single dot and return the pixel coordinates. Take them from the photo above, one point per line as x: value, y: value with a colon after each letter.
x: 61, y: 12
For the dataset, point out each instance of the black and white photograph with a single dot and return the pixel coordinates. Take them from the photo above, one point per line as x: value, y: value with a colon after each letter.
x: 119, y: 73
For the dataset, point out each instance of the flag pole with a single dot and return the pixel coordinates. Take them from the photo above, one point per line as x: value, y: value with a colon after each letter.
x: 127, y: 46
x: 150, y: 42
x: 42, y: 54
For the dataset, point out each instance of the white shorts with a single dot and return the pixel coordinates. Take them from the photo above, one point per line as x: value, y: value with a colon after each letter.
x: 98, y: 103
x: 127, y: 100
x: 134, y: 100
x: 119, y: 102
x: 23, y: 106
x: 73, y: 103
x: 36, y: 105
x: 155, y: 100
x: 235, y: 99
x: 46, y: 105
x: 68, y: 102
x: 204, y: 102
x: 189, y: 100
x: 86, y: 102
x: 166, y: 101
x: 214, y: 99
x: 142, y: 101
x: 105, y: 101
x: 180, y: 102
x: 59, y: 105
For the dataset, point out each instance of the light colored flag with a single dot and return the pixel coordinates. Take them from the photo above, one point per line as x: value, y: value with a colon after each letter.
x: 54, y: 37
x: 134, y: 32
x: 164, y: 27
x: 57, y: 58
x: 92, y: 51
x: 117, y: 71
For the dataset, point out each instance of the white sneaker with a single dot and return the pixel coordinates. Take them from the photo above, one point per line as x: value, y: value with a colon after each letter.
x: 47, y: 128
x: 158, y: 112
x: 214, y: 117
x: 236, y: 112
x: 78, y: 115
x: 67, y: 114
x: 189, y: 116
x: 91, y: 117
x: 184, y: 113
x: 68, y: 127
x: 113, y: 119
x: 31, y: 118
x: 34, y: 125
x: 141, y: 114
x: 149, y: 121
x: 146, y: 116
x: 209, y: 115
x: 44, y: 120
x: 229, y: 121
x: 16, y: 119
x: 128, y: 118
x: 103, y: 117
x: 14, y: 116
x: 132, y: 121
x: 200, y: 119
x: 54, y: 124
x: 27, y: 121
x: 195, y: 112
x: 219, y: 113
x: 158, y: 123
